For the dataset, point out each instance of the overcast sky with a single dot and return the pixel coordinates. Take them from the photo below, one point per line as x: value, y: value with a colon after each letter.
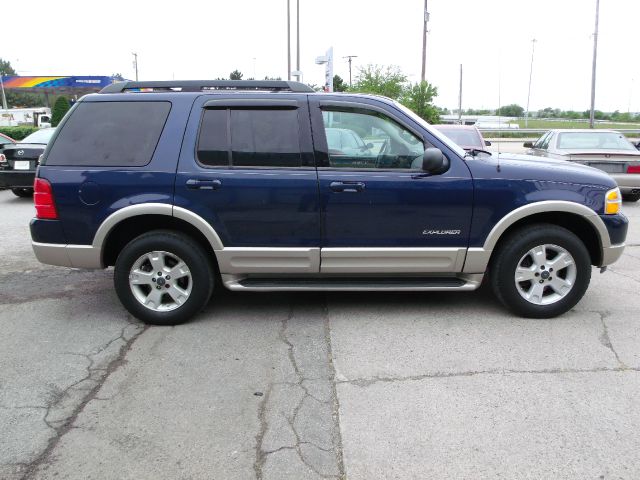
x: 193, y: 39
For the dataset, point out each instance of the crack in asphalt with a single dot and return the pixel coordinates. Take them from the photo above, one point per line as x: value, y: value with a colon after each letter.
x: 97, y: 375
x: 366, y: 382
x: 292, y: 418
x: 606, y: 340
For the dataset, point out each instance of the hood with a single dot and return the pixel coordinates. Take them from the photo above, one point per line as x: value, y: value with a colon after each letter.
x: 528, y: 167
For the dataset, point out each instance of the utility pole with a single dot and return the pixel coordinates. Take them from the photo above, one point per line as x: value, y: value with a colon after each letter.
x: 593, y: 68
x: 349, y: 57
x: 135, y: 64
x: 533, y: 49
x: 298, y: 40
x: 288, y: 39
x: 4, y: 98
x: 460, y: 99
x: 424, y: 41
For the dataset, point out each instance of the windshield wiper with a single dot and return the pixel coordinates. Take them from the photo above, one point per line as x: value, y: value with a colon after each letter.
x: 473, y: 152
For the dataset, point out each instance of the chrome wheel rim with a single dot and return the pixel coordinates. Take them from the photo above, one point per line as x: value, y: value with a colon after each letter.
x: 160, y: 281
x: 545, y: 274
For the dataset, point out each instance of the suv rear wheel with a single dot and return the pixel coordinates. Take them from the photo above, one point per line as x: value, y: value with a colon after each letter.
x: 163, y: 277
x: 541, y: 271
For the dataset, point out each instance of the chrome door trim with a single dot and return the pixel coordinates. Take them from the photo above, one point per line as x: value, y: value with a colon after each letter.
x: 392, y: 260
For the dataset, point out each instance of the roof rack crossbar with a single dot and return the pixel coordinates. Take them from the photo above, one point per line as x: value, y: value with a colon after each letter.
x: 204, y: 85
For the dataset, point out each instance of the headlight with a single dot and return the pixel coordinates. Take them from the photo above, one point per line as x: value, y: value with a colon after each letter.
x: 612, y: 201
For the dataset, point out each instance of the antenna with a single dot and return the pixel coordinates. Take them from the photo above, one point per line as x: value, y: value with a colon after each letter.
x: 499, y: 103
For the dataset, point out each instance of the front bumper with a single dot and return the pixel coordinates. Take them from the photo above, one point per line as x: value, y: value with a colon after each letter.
x: 617, y: 226
x: 17, y: 178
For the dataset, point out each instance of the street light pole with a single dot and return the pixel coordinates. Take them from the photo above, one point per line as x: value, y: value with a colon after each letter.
x: 526, y: 117
x: 135, y: 64
x: 424, y: 40
x: 593, y: 69
x: 288, y: 39
x: 298, y: 39
x: 349, y: 57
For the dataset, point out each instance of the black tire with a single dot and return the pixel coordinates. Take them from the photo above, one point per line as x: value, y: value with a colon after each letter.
x: 183, y: 247
x: 631, y: 197
x: 508, y: 255
x: 23, y: 192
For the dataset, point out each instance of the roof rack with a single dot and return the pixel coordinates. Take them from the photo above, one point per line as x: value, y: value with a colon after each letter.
x: 204, y: 85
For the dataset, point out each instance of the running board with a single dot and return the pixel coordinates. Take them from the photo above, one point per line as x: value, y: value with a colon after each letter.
x: 463, y: 282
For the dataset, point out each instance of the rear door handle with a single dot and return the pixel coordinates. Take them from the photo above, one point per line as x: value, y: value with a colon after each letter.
x: 197, y: 184
x: 347, y: 187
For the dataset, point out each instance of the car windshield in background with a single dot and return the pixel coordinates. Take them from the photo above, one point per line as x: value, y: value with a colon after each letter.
x: 593, y: 141
x: 41, y: 136
x: 464, y: 138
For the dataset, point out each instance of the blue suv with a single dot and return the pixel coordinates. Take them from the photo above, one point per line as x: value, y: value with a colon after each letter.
x: 186, y: 186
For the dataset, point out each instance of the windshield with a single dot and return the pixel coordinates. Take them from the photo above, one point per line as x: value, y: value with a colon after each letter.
x: 594, y: 141
x: 440, y: 136
x: 41, y: 136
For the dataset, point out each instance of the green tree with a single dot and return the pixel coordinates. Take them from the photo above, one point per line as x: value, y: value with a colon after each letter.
x: 235, y: 75
x: 512, y: 110
x: 59, y: 109
x: 419, y: 98
x: 380, y: 80
x: 338, y: 84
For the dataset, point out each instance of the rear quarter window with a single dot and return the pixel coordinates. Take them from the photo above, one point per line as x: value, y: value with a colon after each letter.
x: 110, y: 134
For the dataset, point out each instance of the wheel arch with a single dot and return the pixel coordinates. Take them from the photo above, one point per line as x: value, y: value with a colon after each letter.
x: 128, y: 223
x: 577, y: 218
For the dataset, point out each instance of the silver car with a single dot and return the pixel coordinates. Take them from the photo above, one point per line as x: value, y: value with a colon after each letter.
x: 606, y: 150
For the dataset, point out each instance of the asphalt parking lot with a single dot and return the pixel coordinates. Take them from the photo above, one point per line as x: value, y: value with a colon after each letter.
x: 306, y: 386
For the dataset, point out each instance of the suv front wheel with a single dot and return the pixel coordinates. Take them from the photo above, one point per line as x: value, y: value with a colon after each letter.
x: 163, y: 277
x: 541, y: 271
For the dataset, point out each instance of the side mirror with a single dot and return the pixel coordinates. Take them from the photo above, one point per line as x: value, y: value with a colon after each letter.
x: 487, y: 143
x: 434, y: 161
x: 527, y: 144
x: 638, y: 145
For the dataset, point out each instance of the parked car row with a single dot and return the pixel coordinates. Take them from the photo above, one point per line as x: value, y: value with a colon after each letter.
x: 606, y: 150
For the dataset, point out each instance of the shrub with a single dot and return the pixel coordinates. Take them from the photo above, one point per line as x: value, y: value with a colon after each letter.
x: 18, y: 133
x: 59, y: 109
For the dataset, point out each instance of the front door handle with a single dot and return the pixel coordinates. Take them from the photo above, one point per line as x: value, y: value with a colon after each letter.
x: 197, y: 184
x: 347, y: 187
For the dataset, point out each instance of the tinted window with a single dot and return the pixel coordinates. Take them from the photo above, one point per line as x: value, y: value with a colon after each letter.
x: 41, y: 136
x: 213, y: 143
x: 259, y: 138
x: 123, y: 134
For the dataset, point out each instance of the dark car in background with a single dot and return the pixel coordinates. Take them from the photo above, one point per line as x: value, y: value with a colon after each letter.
x: 5, y: 140
x: 19, y: 161
x: 606, y: 150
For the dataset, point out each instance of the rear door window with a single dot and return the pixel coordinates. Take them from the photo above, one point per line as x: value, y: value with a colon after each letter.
x: 110, y: 134
x: 250, y: 138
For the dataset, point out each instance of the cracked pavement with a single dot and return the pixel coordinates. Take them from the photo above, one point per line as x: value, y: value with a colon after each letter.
x: 307, y: 386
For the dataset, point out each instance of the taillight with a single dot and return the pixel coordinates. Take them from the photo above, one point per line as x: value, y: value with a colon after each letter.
x: 3, y: 159
x: 43, y: 199
x: 633, y: 169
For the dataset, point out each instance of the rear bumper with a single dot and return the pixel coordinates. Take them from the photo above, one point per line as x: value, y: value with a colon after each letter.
x: 16, y: 179
x: 76, y: 256
x: 628, y: 182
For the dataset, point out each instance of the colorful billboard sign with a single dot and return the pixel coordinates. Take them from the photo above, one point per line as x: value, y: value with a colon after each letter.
x: 71, y: 83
